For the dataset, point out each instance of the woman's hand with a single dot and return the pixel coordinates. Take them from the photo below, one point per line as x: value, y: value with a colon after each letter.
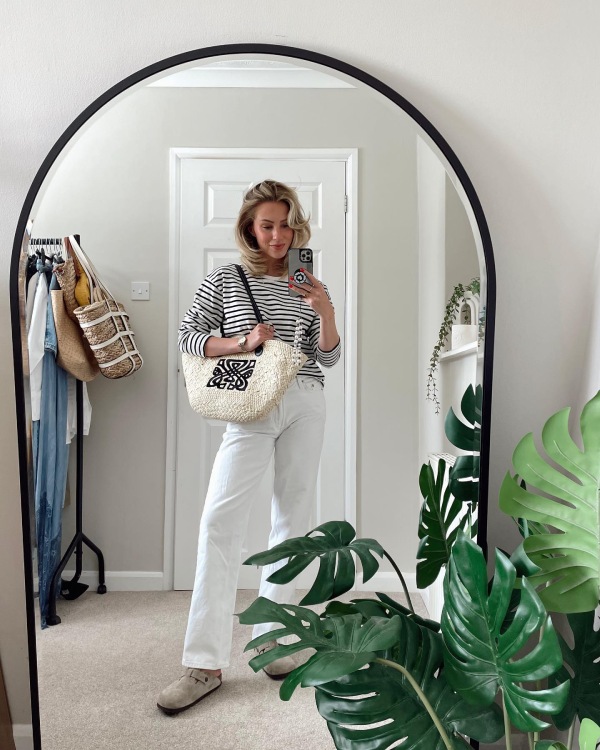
x: 217, y: 346
x: 314, y: 295
x: 260, y: 333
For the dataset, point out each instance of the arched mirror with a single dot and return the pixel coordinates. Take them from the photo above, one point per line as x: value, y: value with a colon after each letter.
x: 151, y: 177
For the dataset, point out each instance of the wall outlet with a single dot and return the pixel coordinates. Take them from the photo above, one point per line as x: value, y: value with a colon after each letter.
x: 140, y: 290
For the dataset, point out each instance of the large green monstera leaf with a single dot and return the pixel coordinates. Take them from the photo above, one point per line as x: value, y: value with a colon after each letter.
x: 480, y: 655
x: 343, y: 644
x: 378, y: 694
x: 583, y: 661
x: 589, y: 735
x: 439, y: 523
x: 566, y: 501
x: 464, y: 476
x: 383, y: 606
x: 351, y: 696
x: 333, y: 546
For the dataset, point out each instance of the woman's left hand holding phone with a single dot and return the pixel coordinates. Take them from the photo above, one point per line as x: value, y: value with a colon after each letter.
x: 314, y: 295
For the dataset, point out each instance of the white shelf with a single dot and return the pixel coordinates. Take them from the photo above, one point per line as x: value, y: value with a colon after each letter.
x: 462, y: 351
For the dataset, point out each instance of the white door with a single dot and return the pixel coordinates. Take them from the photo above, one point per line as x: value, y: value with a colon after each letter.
x: 210, y: 195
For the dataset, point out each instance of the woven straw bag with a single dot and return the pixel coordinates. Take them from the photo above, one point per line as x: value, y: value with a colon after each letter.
x: 74, y: 353
x: 105, y: 324
x: 81, y: 291
x: 67, y: 279
x: 242, y: 387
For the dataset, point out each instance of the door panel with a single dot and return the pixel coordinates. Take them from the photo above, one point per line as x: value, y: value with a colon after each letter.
x: 210, y: 195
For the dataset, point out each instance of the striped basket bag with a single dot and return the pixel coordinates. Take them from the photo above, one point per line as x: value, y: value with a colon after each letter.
x: 105, y: 325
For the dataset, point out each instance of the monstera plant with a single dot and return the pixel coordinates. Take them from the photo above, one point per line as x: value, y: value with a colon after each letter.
x: 450, y: 497
x: 563, y: 497
x: 556, y: 500
x: 384, y: 676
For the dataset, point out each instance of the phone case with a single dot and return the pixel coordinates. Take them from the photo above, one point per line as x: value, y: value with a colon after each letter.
x: 299, y: 257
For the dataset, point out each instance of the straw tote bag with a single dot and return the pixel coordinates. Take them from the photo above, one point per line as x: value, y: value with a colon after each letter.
x: 67, y: 279
x: 246, y: 386
x: 74, y: 354
x: 105, y: 325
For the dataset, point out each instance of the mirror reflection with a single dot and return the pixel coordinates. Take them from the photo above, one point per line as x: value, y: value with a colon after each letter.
x: 152, y: 186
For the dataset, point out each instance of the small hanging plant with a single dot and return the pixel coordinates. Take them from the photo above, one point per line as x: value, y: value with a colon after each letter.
x: 452, y: 307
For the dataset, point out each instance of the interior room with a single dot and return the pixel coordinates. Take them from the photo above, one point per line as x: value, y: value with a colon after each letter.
x: 434, y: 173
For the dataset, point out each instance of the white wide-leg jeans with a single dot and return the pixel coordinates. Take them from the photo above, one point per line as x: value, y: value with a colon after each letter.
x: 293, y: 434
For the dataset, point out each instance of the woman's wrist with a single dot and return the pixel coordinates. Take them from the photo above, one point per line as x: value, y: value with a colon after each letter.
x: 217, y: 346
x: 327, y: 317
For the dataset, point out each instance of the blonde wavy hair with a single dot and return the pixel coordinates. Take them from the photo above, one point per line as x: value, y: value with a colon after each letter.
x: 268, y: 191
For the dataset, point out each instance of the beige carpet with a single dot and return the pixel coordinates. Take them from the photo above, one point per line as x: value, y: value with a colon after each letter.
x: 102, y: 668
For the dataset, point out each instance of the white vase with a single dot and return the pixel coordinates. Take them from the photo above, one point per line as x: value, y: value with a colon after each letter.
x: 462, y: 334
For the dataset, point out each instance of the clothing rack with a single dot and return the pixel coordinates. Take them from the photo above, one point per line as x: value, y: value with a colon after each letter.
x: 73, y: 588
x: 44, y: 250
x: 39, y: 245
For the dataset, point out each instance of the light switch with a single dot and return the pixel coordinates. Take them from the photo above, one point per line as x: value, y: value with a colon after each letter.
x: 140, y: 290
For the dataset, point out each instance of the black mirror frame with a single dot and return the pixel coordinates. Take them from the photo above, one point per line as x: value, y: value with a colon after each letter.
x: 119, y: 88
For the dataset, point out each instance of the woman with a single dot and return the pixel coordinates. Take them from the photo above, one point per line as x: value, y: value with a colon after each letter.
x: 270, y: 221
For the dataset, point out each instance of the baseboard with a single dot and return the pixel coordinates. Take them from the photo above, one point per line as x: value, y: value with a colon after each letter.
x: 435, y: 597
x: 121, y: 580
x: 23, y: 736
x: 389, y: 582
x: 153, y: 581
x: 424, y: 594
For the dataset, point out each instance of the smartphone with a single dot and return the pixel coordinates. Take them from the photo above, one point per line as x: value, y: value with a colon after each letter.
x: 299, y: 257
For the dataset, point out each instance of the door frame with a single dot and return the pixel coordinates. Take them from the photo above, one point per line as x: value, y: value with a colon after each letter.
x: 350, y: 355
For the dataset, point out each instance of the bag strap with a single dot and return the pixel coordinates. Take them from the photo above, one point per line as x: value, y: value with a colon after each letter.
x: 90, y: 270
x: 247, y: 285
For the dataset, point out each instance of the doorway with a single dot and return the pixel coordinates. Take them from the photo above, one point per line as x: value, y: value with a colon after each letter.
x: 206, y: 192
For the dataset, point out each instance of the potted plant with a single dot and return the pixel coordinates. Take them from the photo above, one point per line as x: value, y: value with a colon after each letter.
x: 459, y: 293
x: 379, y: 665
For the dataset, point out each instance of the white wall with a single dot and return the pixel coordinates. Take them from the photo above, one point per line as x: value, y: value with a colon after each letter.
x: 510, y: 85
x: 112, y: 187
x: 462, y: 263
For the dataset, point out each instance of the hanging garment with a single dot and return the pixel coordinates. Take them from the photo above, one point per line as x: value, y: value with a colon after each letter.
x: 72, y: 409
x: 50, y: 453
x: 30, y: 298
x: 35, y: 343
x: 31, y: 269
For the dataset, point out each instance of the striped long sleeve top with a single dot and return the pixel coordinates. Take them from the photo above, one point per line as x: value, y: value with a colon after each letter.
x: 222, y: 303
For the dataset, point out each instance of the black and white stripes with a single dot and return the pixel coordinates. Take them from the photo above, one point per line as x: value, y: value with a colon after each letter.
x: 222, y: 303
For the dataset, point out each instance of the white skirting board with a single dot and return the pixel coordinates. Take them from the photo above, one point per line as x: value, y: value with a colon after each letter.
x: 121, y: 580
x: 140, y: 580
x: 23, y: 736
x: 433, y: 596
x: 388, y: 581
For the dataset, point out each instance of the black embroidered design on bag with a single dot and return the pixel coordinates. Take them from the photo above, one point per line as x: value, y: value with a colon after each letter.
x: 232, y: 374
